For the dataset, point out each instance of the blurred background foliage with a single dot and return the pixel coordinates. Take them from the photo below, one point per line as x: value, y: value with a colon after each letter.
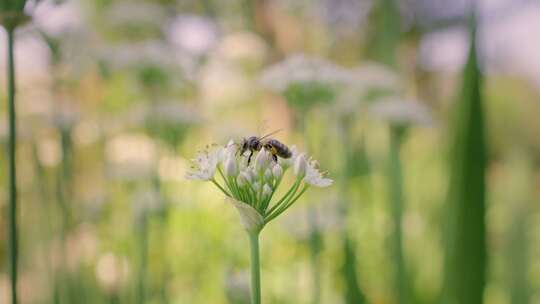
x: 425, y: 117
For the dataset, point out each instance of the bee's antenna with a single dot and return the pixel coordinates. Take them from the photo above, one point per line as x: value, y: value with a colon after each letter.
x: 269, y: 134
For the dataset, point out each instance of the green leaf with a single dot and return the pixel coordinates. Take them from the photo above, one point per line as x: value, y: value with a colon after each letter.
x: 465, y: 243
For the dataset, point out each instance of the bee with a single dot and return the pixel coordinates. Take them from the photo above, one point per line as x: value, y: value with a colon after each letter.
x: 274, y: 146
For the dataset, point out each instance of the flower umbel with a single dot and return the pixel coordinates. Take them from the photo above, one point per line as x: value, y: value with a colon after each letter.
x: 252, y: 188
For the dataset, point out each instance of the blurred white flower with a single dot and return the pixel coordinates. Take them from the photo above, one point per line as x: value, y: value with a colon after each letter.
x: 49, y: 151
x: 194, y: 34
x: 300, y: 68
x: 375, y: 76
x: 131, y: 156
x: 32, y: 61
x: 135, y: 54
x: 55, y: 18
x: 222, y: 83
x: 397, y: 111
x: 112, y: 271
x: 141, y: 14
x: 344, y: 17
x: 244, y: 49
x: 164, y: 112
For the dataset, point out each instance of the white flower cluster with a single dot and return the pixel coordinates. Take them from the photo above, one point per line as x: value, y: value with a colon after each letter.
x: 251, y: 187
x: 305, y: 69
x: 301, y: 68
x: 402, y: 112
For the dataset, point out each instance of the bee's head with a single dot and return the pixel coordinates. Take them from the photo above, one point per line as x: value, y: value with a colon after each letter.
x: 253, y: 143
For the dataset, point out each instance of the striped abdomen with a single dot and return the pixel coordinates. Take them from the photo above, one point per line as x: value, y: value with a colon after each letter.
x: 278, y: 148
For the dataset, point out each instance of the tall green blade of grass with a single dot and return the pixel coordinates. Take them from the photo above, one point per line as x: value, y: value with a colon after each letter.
x: 395, y: 188
x: 465, y: 244
x: 353, y: 293
x: 386, y: 40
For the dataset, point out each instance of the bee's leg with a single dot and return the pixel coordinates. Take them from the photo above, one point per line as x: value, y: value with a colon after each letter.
x: 249, y: 158
x: 274, y: 157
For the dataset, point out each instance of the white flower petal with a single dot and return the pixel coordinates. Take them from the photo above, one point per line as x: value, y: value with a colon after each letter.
x: 277, y: 171
x: 300, y: 165
x: 231, y: 167
x: 262, y: 160
x: 204, y: 165
x: 314, y: 177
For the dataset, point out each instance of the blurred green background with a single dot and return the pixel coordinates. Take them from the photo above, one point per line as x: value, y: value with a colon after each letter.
x: 425, y: 113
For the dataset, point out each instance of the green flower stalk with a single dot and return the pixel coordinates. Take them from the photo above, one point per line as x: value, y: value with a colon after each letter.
x: 400, y: 116
x: 251, y: 189
x: 12, y: 15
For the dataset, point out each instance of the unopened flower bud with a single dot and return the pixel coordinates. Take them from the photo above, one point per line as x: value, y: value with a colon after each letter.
x: 277, y: 171
x: 256, y: 186
x: 247, y: 176
x: 252, y: 174
x: 231, y: 168
x: 261, y: 161
x: 241, y: 180
x: 300, y: 165
x: 286, y: 163
x: 267, y: 190
x: 268, y: 174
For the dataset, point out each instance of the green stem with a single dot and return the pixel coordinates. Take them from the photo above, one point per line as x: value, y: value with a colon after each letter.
x: 221, y: 188
x: 315, y: 246
x: 143, y: 262
x: 289, y: 193
x: 255, y: 268
x: 13, y: 254
x: 352, y: 291
x: 396, y: 193
x: 285, y: 206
